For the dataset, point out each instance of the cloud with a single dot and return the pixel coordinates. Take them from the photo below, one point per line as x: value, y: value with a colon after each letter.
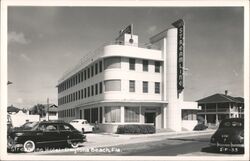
x: 152, y: 29
x: 19, y: 100
x: 25, y: 57
x: 17, y: 38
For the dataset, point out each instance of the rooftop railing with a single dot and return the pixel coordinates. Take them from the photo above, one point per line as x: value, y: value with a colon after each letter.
x: 93, y: 55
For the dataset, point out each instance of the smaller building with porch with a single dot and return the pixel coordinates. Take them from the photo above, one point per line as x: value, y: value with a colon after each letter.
x: 217, y: 107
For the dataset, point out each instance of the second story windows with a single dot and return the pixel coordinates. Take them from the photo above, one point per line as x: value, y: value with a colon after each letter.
x: 145, y: 65
x: 131, y: 64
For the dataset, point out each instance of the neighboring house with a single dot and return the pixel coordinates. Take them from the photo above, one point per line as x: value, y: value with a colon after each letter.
x: 217, y: 107
x: 51, y: 112
x: 122, y: 83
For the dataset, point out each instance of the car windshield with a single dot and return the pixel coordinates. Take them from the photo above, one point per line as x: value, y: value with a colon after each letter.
x: 234, y: 123
x: 74, y: 121
x: 33, y: 125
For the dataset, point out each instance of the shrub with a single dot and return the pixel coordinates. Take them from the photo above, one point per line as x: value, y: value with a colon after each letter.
x: 199, y: 127
x: 135, y: 129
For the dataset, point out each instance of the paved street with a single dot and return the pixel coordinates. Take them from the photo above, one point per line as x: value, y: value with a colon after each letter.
x: 172, y: 146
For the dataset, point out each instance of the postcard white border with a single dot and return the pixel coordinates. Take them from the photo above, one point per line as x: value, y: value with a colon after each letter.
x: 114, y: 3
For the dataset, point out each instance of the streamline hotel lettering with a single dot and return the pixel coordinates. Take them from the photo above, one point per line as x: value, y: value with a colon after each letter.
x: 123, y: 83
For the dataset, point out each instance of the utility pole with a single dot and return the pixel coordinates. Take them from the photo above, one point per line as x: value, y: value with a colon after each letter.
x: 48, y: 107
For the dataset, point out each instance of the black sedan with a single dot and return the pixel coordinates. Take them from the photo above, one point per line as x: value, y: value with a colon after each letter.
x: 41, y: 134
x: 229, y: 137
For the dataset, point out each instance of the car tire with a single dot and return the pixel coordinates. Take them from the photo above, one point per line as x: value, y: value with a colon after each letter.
x: 74, y: 144
x: 83, y: 130
x: 29, y: 146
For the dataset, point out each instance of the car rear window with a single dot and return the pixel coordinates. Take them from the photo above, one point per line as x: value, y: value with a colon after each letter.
x: 231, y: 124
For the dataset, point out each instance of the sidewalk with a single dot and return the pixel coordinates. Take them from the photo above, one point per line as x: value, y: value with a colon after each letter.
x: 106, y: 140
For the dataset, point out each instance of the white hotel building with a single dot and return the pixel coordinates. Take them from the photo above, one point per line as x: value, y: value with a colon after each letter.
x: 122, y: 83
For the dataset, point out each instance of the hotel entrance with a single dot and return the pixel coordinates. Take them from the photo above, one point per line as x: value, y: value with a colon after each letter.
x: 150, y: 117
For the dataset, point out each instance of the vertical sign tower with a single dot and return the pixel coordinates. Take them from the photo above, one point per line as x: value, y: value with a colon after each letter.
x: 180, y: 54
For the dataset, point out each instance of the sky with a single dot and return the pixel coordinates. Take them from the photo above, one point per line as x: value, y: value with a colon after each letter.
x: 43, y: 42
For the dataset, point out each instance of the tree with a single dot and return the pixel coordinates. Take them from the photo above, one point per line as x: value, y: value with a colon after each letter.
x: 38, y: 109
x: 11, y: 109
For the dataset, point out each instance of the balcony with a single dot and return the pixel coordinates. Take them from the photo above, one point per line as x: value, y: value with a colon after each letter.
x: 214, y: 110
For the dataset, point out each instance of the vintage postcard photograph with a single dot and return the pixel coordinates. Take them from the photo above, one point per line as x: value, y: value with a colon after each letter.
x: 144, y: 80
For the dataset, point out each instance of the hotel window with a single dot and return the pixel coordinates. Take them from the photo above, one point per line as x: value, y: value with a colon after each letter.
x: 88, y: 91
x: 131, y: 114
x: 145, y: 87
x: 94, y: 115
x: 131, y: 86
x: 73, y: 81
x: 145, y: 65
x: 112, y: 62
x: 85, y: 92
x: 157, y: 66
x: 112, y: 114
x: 88, y: 72
x: 131, y: 64
x: 189, y: 115
x: 100, y: 87
x: 96, y: 89
x: 85, y: 74
x: 100, y: 66
x: 82, y: 94
x: 81, y: 76
x: 100, y: 114
x: 79, y: 94
x: 87, y: 114
x: 92, y: 90
x: 96, y: 68
x: 92, y: 70
x: 112, y: 85
x: 157, y: 87
x: 76, y: 94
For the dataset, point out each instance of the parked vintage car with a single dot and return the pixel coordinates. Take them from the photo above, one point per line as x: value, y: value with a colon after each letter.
x: 42, y: 134
x: 82, y: 125
x: 229, y: 137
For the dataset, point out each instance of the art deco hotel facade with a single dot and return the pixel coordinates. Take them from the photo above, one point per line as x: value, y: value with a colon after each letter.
x: 122, y: 83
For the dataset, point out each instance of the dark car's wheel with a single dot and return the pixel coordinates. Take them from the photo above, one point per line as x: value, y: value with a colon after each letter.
x: 74, y: 144
x: 29, y: 146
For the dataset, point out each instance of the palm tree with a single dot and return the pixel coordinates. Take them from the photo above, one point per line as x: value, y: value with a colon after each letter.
x: 38, y: 109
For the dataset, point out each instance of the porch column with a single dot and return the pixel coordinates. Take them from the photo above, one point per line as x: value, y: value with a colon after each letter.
x: 205, y: 117
x: 216, y: 119
x: 140, y: 115
x: 205, y: 114
x: 122, y: 114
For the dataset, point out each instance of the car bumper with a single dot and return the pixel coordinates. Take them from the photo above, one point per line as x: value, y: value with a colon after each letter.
x: 227, y: 145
